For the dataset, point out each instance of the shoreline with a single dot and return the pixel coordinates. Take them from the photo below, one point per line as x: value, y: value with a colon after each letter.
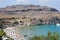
x: 13, y: 32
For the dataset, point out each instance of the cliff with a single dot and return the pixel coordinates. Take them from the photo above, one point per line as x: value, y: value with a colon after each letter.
x: 34, y: 14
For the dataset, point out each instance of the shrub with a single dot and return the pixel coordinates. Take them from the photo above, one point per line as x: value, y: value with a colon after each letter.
x: 2, y: 33
x: 49, y: 36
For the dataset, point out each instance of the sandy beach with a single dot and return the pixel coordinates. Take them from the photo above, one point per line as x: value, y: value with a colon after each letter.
x: 13, y: 32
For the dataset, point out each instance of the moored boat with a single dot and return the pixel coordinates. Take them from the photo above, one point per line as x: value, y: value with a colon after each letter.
x: 57, y: 24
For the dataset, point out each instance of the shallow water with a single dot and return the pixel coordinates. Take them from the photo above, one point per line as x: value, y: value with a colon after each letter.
x: 30, y: 31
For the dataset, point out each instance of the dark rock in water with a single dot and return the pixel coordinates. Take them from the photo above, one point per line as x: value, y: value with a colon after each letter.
x: 25, y: 35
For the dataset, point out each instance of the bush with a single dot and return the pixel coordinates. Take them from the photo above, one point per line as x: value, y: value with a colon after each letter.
x: 49, y: 36
x: 15, y: 22
x: 2, y: 33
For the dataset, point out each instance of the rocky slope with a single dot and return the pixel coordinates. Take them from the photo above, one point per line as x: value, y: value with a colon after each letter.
x: 33, y: 14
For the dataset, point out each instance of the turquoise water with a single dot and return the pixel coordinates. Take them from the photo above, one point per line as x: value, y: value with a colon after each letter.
x: 30, y: 31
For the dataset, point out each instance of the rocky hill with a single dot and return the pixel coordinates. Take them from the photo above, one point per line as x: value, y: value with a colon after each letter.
x: 20, y: 9
x: 34, y: 14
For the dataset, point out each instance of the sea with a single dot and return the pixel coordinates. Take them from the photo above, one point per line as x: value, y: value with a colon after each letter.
x: 36, y: 30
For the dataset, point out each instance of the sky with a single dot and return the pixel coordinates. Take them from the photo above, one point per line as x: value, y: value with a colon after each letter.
x: 49, y: 3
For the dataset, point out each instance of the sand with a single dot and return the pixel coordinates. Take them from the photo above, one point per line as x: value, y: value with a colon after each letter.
x: 13, y: 32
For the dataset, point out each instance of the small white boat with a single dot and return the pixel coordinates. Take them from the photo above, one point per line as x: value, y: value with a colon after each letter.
x: 57, y: 24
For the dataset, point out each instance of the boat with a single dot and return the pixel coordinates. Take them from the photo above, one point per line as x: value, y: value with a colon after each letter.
x: 57, y: 24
